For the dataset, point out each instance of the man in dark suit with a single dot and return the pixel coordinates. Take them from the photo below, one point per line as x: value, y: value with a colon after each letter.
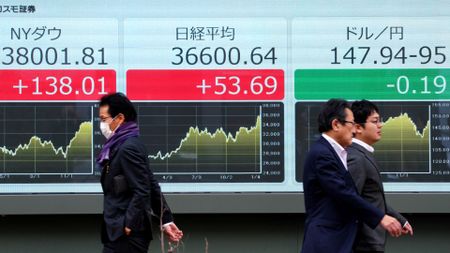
x: 366, y: 175
x: 131, y: 193
x: 333, y: 207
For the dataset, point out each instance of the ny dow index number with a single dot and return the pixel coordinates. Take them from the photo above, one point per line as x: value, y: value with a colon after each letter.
x: 53, y: 56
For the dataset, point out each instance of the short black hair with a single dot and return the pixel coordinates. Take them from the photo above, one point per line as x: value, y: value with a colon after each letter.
x: 362, y: 110
x: 119, y: 103
x: 333, y: 109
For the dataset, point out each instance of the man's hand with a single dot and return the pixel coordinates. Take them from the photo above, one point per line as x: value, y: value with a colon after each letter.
x: 391, y: 225
x: 173, y: 233
x: 127, y: 231
x: 407, y: 229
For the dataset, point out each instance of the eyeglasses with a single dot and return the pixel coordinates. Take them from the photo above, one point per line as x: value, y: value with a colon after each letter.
x: 375, y: 122
x: 349, y: 122
x: 106, y: 118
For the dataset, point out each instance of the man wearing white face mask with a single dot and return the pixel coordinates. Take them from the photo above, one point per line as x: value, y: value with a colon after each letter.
x: 105, y: 127
x: 131, y: 193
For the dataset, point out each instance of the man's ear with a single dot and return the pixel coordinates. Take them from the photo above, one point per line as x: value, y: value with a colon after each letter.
x: 359, y: 128
x: 121, y: 116
x: 335, y: 124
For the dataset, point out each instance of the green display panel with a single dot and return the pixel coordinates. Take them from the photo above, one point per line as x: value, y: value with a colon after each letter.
x: 375, y: 84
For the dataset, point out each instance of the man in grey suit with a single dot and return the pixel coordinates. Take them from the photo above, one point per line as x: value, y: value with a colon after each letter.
x: 366, y: 175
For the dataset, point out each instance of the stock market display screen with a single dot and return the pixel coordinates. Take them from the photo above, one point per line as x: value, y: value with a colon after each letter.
x: 227, y: 94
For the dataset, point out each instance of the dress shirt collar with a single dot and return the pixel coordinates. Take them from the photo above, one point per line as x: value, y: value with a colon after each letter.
x: 364, y: 145
x: 340, y: 151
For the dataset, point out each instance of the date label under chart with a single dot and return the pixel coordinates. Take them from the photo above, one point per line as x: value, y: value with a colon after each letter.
x: 56, y: 84
x: 261, y: 84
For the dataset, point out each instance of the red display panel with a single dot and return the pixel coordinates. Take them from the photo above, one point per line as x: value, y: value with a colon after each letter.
x: 260, y: 84
x: 56, y: 84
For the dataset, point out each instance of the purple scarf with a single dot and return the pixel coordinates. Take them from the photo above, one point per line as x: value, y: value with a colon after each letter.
x: 122, y: 133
